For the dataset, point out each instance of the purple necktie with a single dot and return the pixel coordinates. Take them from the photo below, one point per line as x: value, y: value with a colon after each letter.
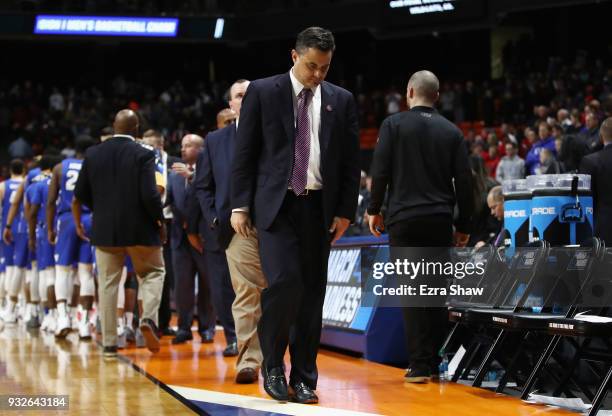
x: 301, y: 152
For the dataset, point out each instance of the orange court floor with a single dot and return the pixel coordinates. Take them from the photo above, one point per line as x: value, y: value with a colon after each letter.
x: 196, y: 378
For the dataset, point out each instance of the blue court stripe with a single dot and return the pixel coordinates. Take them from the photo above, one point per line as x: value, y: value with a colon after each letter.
x: 226, y: 410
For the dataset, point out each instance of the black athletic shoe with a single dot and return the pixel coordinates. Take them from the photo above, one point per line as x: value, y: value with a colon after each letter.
x: 417, y: 376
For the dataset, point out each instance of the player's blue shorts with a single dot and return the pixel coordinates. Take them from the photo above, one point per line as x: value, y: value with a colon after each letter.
x: 128, y: 264
x: 8, y: 253
x: 44, y: 249
x: 69, y: 248
x: 21, y: 250
x: 2, y: 259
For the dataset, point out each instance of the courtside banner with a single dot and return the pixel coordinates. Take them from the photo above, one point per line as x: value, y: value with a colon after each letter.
x: 425, y: 276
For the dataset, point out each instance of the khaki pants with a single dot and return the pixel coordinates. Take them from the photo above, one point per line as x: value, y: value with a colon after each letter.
x: 148, y: 264
x: 248, y: 281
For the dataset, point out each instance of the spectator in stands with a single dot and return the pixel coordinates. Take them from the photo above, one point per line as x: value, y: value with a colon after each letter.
x: 393, y: 100
x: 590, y: 137
x: 527, y: 143
x: 56, y: 101
x: 492, y: 160
x: 563, y: 118
x: 482, y: 223
x: 510, y: 166
x: 576, y: 127
x: 556, y: 131
x: 508, y: 134
x: 20, y: 149
x: 548, y: 163
x: 545, y: 141
x: 562, y: 157
x: 541, y: 115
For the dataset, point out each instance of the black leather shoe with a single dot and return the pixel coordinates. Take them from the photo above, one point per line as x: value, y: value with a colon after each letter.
x: 247, y: 375
x: 208, y: 337
x: 275, y: 384
x: 231, y: 350
x: 149, y: 332
x: 301, y: 393
x: 110, y: 352
x: 166, y: 332
x: 182, y: 337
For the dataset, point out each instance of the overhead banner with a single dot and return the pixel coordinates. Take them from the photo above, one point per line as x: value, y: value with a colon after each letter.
x: 105, y: 26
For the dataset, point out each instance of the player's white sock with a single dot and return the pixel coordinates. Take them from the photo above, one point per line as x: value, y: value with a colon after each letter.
x: 62, y: 309
x: 121, y: 290
x: 63, y: 283
x: 129, y: 318
x: 2, y: 290
x: 88, y: 287
x: 42, y: 285
x: 32, y: 276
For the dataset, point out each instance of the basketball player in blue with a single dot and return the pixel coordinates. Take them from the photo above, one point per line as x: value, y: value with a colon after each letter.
x: 7, y: 277
x: 69, y: 248
x: 37, y: 195
x: 24, y: 259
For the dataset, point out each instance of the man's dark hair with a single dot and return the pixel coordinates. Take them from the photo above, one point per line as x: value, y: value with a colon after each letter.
x: 82, y: 143
x: 514, y: 145
x: 16, y: 167
x: 48, y: 161
x: 315, y: 37
x: 52, y: 150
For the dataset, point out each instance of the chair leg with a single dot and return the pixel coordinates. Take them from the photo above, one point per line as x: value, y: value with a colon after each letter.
x: 465, y: 361
x: 601, y: 393
x: 451, y: 336
x: 504, y: 380
x: 539, y: 366
x: 490, y: 355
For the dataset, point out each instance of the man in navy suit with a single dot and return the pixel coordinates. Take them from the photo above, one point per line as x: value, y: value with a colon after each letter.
x: 212, y: 186
x: 599, y: 166
x: 205, y: 222
x: 187, y: 261
x: 295, y: 173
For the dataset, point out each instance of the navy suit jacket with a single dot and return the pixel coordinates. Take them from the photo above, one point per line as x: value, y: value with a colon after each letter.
x: 178, y: 199
x: 599, y: 166
x: 212, y: 188
x: 263, y: 155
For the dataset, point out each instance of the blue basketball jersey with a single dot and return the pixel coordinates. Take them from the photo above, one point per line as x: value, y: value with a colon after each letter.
x: 10, y: 186
x: 38, y: 194
x: 70, y: 174
x: 21, y: 224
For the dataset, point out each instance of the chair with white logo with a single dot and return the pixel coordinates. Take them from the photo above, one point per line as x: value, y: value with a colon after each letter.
x: 586, y: 332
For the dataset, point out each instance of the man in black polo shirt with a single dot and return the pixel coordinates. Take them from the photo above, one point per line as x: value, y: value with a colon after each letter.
x: 421, y: 158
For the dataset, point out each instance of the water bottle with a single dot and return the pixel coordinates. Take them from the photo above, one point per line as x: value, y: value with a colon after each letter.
x: 443, y: 368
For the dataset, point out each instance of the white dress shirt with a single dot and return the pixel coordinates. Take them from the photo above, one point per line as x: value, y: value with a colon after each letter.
x: 313, y: 180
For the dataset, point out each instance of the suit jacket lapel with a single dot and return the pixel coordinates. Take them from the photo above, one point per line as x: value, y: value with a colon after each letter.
x: 328, y: 106
x: 286, y: 99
